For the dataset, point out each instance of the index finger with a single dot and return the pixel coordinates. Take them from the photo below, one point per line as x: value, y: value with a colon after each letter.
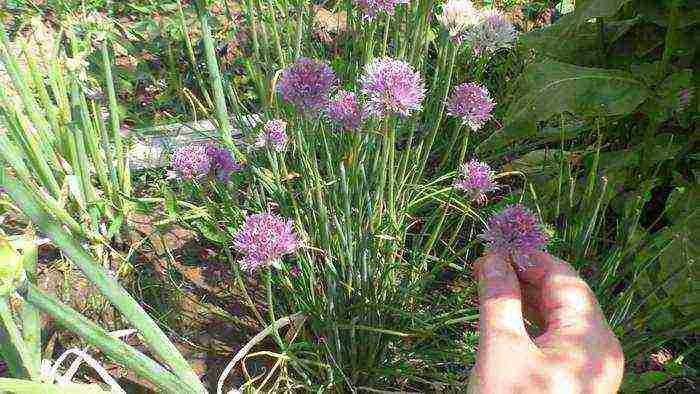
x: 566, y: 301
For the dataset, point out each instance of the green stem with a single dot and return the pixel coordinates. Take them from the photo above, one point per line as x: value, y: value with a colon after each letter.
x: 465, y: 145
x: 32, y: 108
x: 276, y: 35
x: 271, y: 308
x: 241, y: 285
x: 190, y: 54
x: 672, y: 36
x: 215, y: 79
x: 438, y: 119
x: 254, y: 29
x: 391, y: 146
x: 385, y: 40
x: 121, y: 165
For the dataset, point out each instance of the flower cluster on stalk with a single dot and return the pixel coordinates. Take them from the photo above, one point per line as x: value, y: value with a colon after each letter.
x: 222, y: 162
x: 515, y: 233
x: 273, y: 135
x: 457, y: 17
x: 197, y: 161
x: 476, y: 179
x: 344, y: 110
x: 391, y: 87
x: 307, y: 84
x: 372, y: 8
x: 191, y: 161
x: 472, y: 104
x: 264, y: 239
x: 493, y: 32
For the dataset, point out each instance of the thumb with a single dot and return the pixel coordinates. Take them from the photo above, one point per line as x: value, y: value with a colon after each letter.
x: 499, y: 298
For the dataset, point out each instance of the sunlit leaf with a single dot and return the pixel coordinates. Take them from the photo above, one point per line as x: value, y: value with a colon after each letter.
x: 549, y: 88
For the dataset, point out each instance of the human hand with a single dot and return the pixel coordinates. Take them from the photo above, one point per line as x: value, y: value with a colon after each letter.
x: 576, y: 351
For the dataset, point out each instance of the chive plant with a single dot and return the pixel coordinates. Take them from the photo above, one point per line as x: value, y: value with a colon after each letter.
x: 344, y: 153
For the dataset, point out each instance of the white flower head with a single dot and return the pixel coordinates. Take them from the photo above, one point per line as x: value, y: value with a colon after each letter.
x: 493, y: 32
x: 458, y: 16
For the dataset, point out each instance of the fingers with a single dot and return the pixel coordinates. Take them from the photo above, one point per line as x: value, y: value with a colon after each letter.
x: 566, y: 302
x: 576, y: 332
x: 499, y: 298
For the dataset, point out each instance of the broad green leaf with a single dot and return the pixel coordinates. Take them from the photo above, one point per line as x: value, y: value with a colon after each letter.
x: 550, y: 87
x: 542, y: 161
x: 682, y: 256
x: 581, y: 46
x: 584, y: 11
x: 666, y: 99
x: 657, y: 12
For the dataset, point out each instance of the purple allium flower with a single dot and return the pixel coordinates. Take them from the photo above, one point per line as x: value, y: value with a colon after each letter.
x: 264, y: 238
x: 477, y: 180
x: 392, y: 87
x: 307, y: 84
x: 222, y: 162
x: 344, y: 110
x: 273, y: 135
x: 372, y: 8
x: 471, y: 103
x: 515, y: 232
x: 190, y: 161
x: 492, y: 33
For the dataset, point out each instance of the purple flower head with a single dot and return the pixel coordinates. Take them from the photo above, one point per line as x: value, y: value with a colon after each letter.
x: 222, y: 162
x: 471, y: 103
x: 685, y: 96
x: 295, y: 271
x: 306, y: 84
x: 372, y: 8
x: 273, y: 135
x: 344, y: 110
x: 515, y: 232
x: 492, y: 33
x: 391, y: 87
x: 264, y: 239
x: 190, y: 161
x: 477, y: 180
